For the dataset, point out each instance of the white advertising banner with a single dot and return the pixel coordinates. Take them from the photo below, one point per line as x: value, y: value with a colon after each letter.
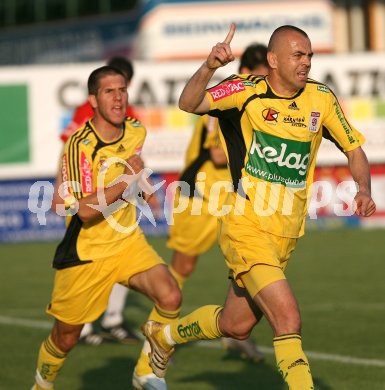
x: 189, y: 29
x: 51, y: 92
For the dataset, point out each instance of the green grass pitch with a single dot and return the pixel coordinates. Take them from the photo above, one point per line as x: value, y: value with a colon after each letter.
x: 338, y: 277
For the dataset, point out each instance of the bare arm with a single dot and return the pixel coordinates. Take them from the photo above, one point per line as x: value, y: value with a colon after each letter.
x: 111, y: 194
x: 359, y: 168
x: 193, y: 97
x: 89, y: 207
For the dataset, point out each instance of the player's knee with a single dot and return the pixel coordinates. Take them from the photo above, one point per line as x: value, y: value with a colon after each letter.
x: 236, y: 333
x: 235, y: 329
x: 172, y: 300
x: 66, y: 342
x: 288, y: 324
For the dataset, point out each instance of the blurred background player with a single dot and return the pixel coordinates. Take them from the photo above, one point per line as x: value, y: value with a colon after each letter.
x: 194, y: 232
x: 113, y: 327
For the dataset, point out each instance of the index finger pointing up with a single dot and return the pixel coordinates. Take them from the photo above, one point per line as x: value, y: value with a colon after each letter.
x: 230, y: 35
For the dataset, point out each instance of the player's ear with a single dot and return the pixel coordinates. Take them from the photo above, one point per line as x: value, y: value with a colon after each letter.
x: 272, y: 59
x: 92, y: 101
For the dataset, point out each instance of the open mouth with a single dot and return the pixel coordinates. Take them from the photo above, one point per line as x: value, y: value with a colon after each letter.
x: 302, y: 75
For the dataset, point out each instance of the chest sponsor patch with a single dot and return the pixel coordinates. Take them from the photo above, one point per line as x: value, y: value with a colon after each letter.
x: 278, y: 160
x: 314, y: 120
x: 226, y: 89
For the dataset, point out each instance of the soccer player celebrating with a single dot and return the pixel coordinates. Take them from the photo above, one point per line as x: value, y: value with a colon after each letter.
x: 193, y: 233
x: 272, y: 127
x: 102, y: 245
x: 113, y: 327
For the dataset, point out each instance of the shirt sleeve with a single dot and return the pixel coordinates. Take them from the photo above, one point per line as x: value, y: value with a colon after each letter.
x: 338, y: 129
x: 76, y: 168
x: 228, y: 94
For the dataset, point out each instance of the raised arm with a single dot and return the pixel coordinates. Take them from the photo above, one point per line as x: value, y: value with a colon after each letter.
x: 359, y: 168
x: 193, y: 97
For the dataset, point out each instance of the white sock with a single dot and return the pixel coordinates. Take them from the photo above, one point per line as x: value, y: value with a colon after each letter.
x: 113, y: 315
x: 167, y: 333
x: 41, y: 382
x: 87, y: 329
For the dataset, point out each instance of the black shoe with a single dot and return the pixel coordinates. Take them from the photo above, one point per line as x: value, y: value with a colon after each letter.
x: 121, y: 334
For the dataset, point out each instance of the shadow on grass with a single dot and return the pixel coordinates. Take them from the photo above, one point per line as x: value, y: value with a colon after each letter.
x: 116, y: 374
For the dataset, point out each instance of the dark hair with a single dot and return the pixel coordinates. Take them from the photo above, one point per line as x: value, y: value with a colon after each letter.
x: 283, y: 29
x: 99, y: 73
x: 124, y: 65
x: 253, y: 56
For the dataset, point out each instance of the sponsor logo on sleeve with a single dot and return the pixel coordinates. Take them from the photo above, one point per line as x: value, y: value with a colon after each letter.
x: 344, y: 123
x: 86, y: 174
x: 223, y: 90
x: 314, y: 121
x: 323, y: 88
x: 66, y: 188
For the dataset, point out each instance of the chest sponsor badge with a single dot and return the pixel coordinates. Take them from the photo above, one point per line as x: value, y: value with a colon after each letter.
x: 314, y: 120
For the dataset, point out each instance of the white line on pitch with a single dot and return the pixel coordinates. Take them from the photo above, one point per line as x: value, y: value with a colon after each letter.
x: 215, y: 344
x: 313, y: 355
x: 25, y: 322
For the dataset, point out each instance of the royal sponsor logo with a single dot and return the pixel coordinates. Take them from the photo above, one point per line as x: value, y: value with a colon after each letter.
x: 86, y: 174
x: 192, y: 329
x: 295, y: 121
x: 278, y: 160
x: 323, y: 88
x: 270, y: 115
x: 227, y: 89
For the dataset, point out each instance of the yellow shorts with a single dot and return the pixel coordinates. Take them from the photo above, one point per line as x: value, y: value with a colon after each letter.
x: 193, y: 234
x: 80, y: 294
x: 254, y: 257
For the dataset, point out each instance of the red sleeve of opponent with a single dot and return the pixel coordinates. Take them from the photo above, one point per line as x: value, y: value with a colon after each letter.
x: 80, y: 116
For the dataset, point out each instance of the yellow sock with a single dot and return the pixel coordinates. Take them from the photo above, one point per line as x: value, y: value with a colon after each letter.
x: 49, y: 363
x: 292, y: 362
x: 162, y: 316
x: 201, y: 324
x: 178, y: 277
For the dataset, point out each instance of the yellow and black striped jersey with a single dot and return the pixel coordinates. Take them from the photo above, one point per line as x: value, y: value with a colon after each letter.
x: 90, y: 164
x: 272, y: 141
x: 205, y: 136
